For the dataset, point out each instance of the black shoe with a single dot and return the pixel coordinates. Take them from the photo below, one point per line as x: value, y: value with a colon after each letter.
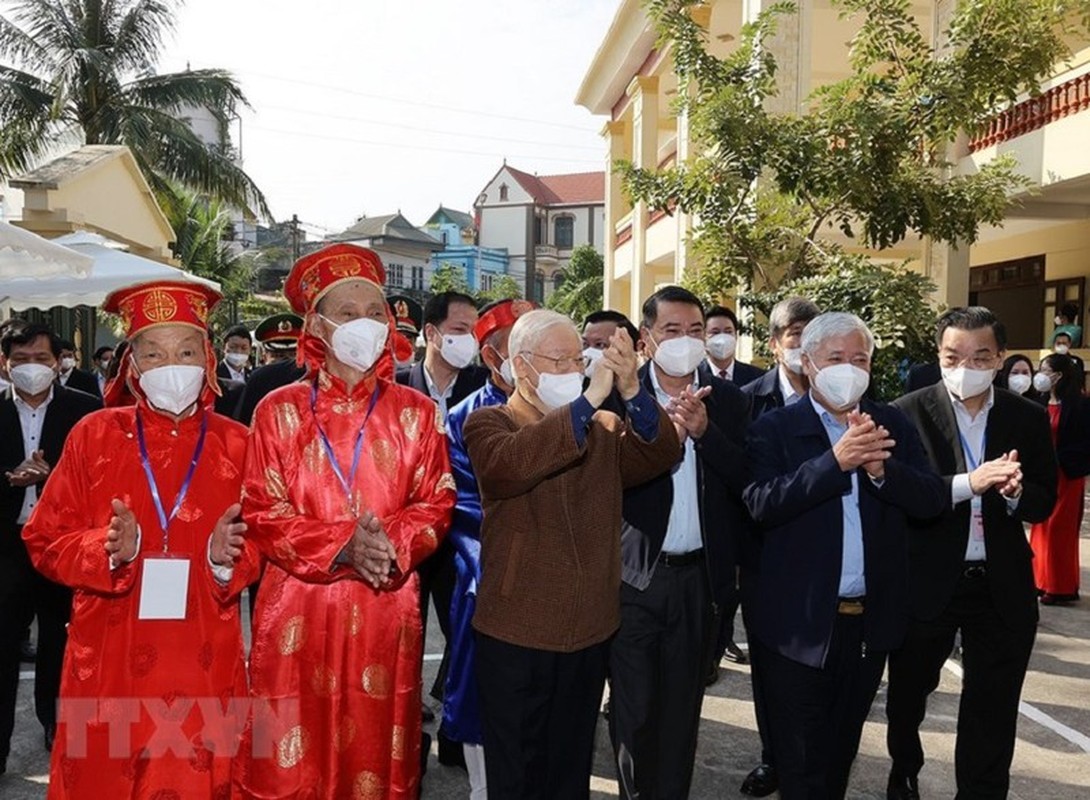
x: 902, y: 787
x: 734, y: 653
x: 28, y: 653
x: 451, y: 753
x: 425, y: 748
x: 426, y: 713
x: 761, y: 782
x: 50, y: 735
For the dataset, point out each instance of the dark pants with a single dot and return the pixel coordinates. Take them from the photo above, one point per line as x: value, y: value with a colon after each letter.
x: 24, y: 595
x: 539, y: 710
x: 724, y: 623
x: 747, y: 584
x: 656, y: 679
x: 437, y: 577
x: 818, y: 714
x: 994, y: 659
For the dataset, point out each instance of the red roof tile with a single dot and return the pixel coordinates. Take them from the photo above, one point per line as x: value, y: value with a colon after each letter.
x: 578, y: 187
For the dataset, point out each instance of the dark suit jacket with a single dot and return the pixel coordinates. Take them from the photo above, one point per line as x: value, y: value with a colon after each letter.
x: 938, y: 548
x: 764, y: 393
x: 795, y: 498
x: 65, y: 409
x: 83, y: 381
x: 262, y: 381
x: 722, y: 474
x: 469, y: 380
x: 743, y: 373
x: 224, y: 374
x: 920, y: 376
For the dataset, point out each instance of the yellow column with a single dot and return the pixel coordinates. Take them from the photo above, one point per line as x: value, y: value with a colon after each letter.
x: 643, y: 91
x: 614, y: 133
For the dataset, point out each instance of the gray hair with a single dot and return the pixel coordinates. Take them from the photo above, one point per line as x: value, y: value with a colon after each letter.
x: 789, y: 311
x: 834, y: 323
x: 531, y: 327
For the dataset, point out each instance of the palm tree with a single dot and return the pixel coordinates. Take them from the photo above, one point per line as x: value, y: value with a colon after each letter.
x: 83, y: 71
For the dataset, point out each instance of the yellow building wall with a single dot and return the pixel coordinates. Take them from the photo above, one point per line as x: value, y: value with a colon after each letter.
x: 1066, y: 249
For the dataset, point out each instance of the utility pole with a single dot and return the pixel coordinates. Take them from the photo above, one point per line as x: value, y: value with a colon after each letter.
x: 295, y: 238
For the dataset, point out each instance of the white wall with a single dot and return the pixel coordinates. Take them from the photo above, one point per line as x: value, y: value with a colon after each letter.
x: 505, y: 226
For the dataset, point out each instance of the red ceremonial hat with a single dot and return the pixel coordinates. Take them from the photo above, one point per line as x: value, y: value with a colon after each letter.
x: 501, y: 315
x: 147, y: 305
x: 316, y: 273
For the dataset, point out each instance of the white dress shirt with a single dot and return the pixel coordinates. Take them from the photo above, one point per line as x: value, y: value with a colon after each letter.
x: 683, y: 527
x: 725, y: 374
x: 786, y: 389
x: 237, y: 375
x: 441, y: 398
x: 30, y: 420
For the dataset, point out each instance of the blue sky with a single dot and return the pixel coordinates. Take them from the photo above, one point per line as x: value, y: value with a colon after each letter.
x: 370, y: 107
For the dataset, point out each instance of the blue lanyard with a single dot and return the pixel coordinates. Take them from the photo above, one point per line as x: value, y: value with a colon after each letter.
x: 970, y: 459
x: 164, y: 520
x: 346, y: 484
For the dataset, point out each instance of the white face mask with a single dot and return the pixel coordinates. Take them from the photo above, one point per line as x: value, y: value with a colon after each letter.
x: 842, y: 384
x: 1041, y: 382
x: 792, y: 359
x: 593, y: 355
x: 32, y: 379
x: 173, y: 388
x: 1019, y: 384
x: 721, y: 346
x: 237, y: 360
x: 359, y: 343
x: 1062, y: 349
x: 679, y: 356
x: 68, y: 364
x: 964, y: 383
x: 458, y: 350
x: 555, y: 391
x: 506, y: 373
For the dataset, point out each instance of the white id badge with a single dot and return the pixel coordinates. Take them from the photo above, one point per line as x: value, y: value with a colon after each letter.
x: 976, y: 522
x: 164, y: 588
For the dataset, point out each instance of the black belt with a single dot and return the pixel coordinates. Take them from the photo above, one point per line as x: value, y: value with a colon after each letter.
x: 850, y: 606
x: 681, y: 559
x: 974, y: 569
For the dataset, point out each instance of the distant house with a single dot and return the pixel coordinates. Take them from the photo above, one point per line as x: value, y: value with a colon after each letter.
x: 457, y: 232
x: 539, y: 220
x: 405, y: 251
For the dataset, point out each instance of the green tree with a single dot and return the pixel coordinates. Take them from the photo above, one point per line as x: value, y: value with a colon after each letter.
x: 201, y: 228
x: 506, y: 288
x: 870, y: 158
x: 582, y: 292
x: 83, y: 71
x: 449, y: 277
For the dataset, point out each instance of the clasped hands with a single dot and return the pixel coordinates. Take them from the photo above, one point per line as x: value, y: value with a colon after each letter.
x: 370, y: 551
x: 31, y: 471
x: 865, y: 444
x: 617, y: 366
x: 1003, y: 473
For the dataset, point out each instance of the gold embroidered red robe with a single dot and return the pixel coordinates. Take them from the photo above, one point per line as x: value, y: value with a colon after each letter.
x: 337, y: 661
x: 149, y: 708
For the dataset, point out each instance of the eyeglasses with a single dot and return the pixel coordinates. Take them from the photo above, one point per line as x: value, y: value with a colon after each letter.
x: 575, y: 364
x: 952, y: 361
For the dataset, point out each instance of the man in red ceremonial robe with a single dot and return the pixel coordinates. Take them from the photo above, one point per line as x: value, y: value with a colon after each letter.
x: 347, y: 489
x: 139, y: 519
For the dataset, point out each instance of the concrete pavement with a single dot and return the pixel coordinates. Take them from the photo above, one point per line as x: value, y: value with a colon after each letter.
x: 1052, y: 759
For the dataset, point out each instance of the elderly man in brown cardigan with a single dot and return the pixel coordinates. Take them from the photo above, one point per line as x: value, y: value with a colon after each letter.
x: 551, y: 467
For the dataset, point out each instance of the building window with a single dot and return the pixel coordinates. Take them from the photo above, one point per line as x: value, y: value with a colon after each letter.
x: 418, y: 277
x: 395, y: 274
x: 486, y: 281
x: 539, y: 286
x: 539, y: 231
x: 558, y: 279
x: 443, y: 237
x: 503, y: 192
x: 563, y: 232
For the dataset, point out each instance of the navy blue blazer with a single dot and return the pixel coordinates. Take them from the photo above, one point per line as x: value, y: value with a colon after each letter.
x: 764, y: 393
x: 743, y: 373
x: 795, y: 499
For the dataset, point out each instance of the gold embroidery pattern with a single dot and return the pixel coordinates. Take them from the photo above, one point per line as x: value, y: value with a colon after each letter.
x: 159, y: 306
x: 292, y: 747
x: 440, y: 426
x: 410, y: 422
x: 384, y: 455
x: 418, y: 478
x: 369, y: 786
x: 376, y: 681
x: 314, y: 457
x: 275, y: 484
x: 284, y: 549
x: 291, y: 636
x: 429, y: 534
x: 355, y: 619
x: 323, y: 681
x: 287, y: 420
x: 397, y: 743
x: 345, y: 734
x: 446, y: 481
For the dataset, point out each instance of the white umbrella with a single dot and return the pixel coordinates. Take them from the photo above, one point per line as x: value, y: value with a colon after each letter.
x: 27, y: 255
x: 111, y: 269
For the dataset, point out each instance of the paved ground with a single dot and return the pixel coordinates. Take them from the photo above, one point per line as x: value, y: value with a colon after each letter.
x: 1052, y: 760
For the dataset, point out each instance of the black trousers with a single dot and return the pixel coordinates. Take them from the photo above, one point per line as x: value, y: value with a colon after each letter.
x: 747, y: 585
x: 818, y: 714
x: 657, y: 665
x: 994, y: 658
x: 24, y: 595
x: 437, y: 578
x: 539, y: 710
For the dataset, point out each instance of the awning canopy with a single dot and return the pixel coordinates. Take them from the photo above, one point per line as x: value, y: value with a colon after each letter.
x: 24, y: 254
